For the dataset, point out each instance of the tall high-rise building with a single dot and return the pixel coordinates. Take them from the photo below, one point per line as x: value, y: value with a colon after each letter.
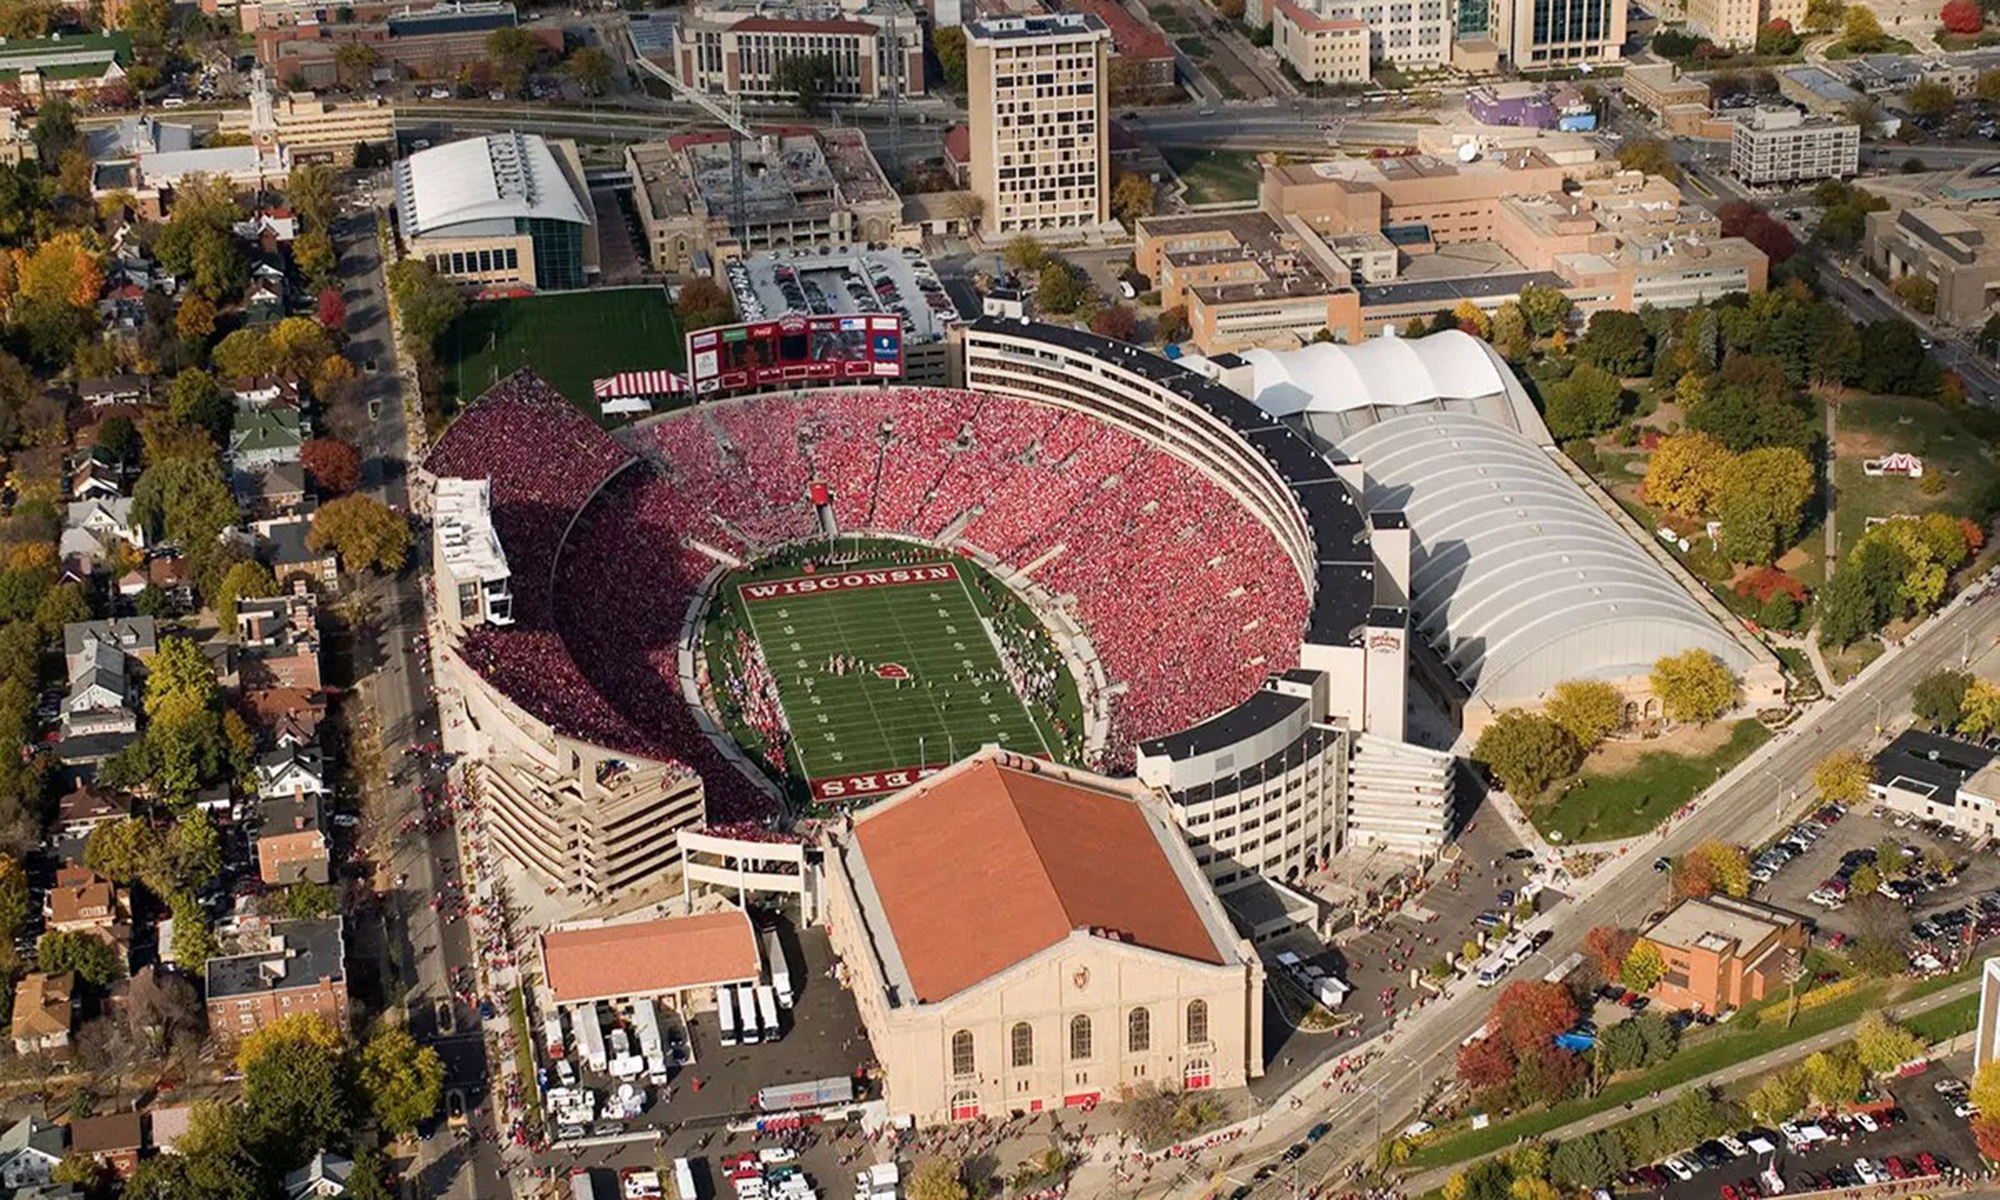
x: 1537, y: 34
x: 1040, y: 155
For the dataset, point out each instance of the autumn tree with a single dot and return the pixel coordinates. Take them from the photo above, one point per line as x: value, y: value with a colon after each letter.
x: 363, y: 531
x: 1486, y: 1065
x: 938, y: 1178
x: 1939, y: 697
x: 1607, y: 946
x: 1650, y: 155
x: 1882, y: 1045
x: 1527, y: 752
x: 1530, y: 1013
x: 1588, y: 709
x: 295, y: 1089
x: 1131, y: 198
x: 1710, y: 868
x: 402, y: 1081
x: 335, y: 466
x: 702, y: 304
x: 1116, y: 321
x: 1843, y: 777
x: 248, y: 580
x: 1685, y: 473
x: 1642, y: 968
x: 1693, y: 686
x: 332, y: 310
x: 1760, y: 501
x: 1860, y: 32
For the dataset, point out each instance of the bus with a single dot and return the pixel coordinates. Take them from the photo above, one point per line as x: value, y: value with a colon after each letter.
x: 684, y: 1180
x: 767, y: 1011
x: 746, y: 1010
x: 725, y: 1015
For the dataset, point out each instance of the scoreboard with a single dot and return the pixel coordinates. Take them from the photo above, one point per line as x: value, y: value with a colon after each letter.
x: 795, y: 349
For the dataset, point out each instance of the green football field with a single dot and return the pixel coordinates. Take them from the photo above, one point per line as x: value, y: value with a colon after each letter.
x: 883, y: 675
x: 568, y: 338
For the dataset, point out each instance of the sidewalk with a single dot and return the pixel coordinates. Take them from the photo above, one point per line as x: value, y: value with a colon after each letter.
x: 1418, y: 1185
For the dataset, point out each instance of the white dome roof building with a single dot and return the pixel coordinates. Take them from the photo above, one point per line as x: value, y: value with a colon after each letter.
x: 500, y: 210
x: 1522, y: 574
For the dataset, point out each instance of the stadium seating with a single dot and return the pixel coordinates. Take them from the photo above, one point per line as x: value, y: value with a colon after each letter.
x: 1174, y: 581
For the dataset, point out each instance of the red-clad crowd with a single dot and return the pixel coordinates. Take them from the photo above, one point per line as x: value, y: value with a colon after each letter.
x: 1187, y: 598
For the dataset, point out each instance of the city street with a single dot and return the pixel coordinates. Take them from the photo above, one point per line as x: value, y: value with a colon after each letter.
x: 423, y: 951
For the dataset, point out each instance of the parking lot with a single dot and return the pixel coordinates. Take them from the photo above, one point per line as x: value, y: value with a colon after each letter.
x: 1917, y: 1129
x: 1848, y: 844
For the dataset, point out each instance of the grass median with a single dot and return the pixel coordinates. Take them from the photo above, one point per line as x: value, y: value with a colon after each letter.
x: 524, y: 1053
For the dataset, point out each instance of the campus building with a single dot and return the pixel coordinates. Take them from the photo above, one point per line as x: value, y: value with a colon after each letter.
x: 1783, y: 146
x: 1734, y: 23
x: 502, y: 210
x: 1723, y: 953
x: 1535, y: 35
x: 64, y: 63
x: 421, y: 43
x: 1943, y: 779
x: 1040, y: 155
x: 310, y: 129
x: 680, y: 960
x: 1416, y: 33
x: 803, y: 189
x: 1087, y: 955
x: 1320, y: 49
x: 737, y: 47
x: 1955, y: 250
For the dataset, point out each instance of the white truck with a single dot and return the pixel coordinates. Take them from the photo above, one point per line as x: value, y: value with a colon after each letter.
x: 624, y: 1063
x: 781, y: 971
x: 767, y: 1011
x: 589, y: 1036
x: 646, y: 1023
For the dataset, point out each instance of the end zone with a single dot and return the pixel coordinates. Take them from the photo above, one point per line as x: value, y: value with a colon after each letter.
x: 847, y: 581
x: 866, y: 784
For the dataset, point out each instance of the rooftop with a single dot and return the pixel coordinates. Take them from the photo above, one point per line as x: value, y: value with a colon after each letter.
x: 301, y: 954
x: 638, y: 958
x: 1055, y: 25
x: 1131, y: 37
x: 789, y: 173
x: 1051, y: 856
x: 834, y: 283
x: 1930, y: 766
x: 501, y: 177
x: 1719, y: 924
x: 462, y: 515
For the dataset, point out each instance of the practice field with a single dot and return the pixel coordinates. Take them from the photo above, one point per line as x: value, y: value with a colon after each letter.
x: 883, y: 672
x: 569, y: 338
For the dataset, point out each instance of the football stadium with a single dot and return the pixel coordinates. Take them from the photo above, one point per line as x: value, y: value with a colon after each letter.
x: 744, y: 616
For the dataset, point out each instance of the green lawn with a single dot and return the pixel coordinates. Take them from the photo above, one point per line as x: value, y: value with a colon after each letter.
x: 1215, y: 176
x: 1951, y: 451
x: 1600, y: 808
x: 916, y: 678
x: 1193, y: 47
x: 1941, y: 1024
x: 1839, y: 51
x: 568, y: 338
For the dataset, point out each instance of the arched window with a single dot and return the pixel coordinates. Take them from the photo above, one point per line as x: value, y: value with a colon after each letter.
x: 1197, y: 1075
x: 961, y: 1052
x: 964, y: 1105
x: 1138, y: 1031
x: 1079, y: 1037
x: 1197, y: 1022
x: 1024, y: 1044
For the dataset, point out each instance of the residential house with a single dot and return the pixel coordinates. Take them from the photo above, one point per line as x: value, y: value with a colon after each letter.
x: 100, y: 709
x: 271, y: 229
x: 291, y: 843
x: 303, y: 968
x: 286, y: 550
x: 44, y: 1012
x: 324, y: 1178
x: 29, y: 1151
x: 165, y: 1127
x: 92, y: 527
x: 115, y: 1138
x: 264, y: 301
x: 86, y: 806
x: 266, y: 391
x: 1723, y: 953
x: 101, y: 390
x: 95, y: 479
x: 167, y: 572
x: 264, y: 437
x: 279, y: 640
x: 82, y: 901
x: 292, y: 771
x: 282, y: 716
x: 272, y: 494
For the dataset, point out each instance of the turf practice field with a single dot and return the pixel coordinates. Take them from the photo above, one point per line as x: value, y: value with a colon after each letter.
x: 885, y: 669
x: 569, y: 338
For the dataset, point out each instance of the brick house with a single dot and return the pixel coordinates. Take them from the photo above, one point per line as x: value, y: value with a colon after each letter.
x: 1723, y: 953
x: 303, y: 969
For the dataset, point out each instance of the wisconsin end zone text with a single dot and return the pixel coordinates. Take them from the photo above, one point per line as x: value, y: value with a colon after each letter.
x: 847, y: 581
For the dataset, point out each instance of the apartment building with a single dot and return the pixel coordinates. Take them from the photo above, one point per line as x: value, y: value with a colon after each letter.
x: 1040, y: 155
x: 735, y: 47
x: 1956, y: 249
x: 1734, y: 23
x: 302, y: 968
x: 803, y: 188
x: 1783, y: 145
x: 1320, y: 49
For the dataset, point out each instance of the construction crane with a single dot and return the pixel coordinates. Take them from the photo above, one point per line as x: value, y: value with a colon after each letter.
x: 731, y: 118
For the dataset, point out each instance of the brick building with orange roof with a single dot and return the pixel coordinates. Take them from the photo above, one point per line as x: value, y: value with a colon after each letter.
x: 1023, y: 936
